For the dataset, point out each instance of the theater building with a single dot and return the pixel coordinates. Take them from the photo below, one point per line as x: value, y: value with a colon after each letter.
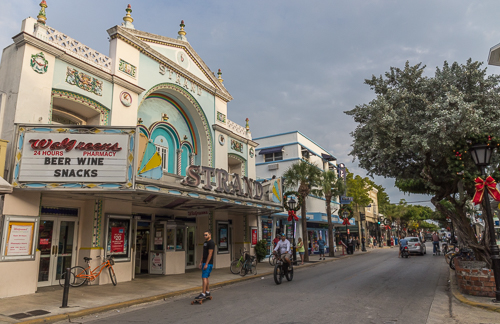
x: 130, y: 155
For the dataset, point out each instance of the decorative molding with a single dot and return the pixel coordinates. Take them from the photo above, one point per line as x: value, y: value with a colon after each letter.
x: 127, y: 68
x: 103, y: 111
x: 240, y: 138
x: 222, y: 140
x: 238, y: 129
x: 72, y: 47
x: 199, y: 110
x: 244, y: 165
x: 221, y: 117
x: 38, y: 63
x: 139, y: 40
x: 24, y: 38
x: 236, y: 146
x: 126, y: 99
x: 83, y: 81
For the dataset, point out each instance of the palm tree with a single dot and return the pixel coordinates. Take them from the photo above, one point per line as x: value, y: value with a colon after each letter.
x: 304, y: 176
x: 329, y: 186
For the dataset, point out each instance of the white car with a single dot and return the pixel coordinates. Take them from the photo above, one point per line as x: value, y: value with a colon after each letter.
x: 415, y: 245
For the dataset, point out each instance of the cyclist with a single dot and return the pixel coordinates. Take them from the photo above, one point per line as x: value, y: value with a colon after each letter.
x: 435, y: 243
x: 284, y: 247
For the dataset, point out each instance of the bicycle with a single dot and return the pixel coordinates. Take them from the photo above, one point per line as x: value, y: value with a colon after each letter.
x: 80, y: 275
x: 272, y: 260
x: 250, y: 265
x: 281, y: 271
x: 236, y: 265
x: 463, y: 253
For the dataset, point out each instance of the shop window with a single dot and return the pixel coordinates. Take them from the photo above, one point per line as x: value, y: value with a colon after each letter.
x: 222, y: 237
x: 118, y: 237
x: 163, y: 152
x: 277, y: 156
x: 158, y: 238
x: 179, y: 239
x: 170, y: 239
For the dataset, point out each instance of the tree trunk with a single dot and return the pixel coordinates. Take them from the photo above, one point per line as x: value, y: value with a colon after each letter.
x: 464, y: 231
x: 305, y: 239
x: 330, y: 225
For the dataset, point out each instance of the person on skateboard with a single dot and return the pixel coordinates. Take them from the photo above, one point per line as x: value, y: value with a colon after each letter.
x: 206, y: 264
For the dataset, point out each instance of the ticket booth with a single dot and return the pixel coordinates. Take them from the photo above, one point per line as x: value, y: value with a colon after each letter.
x: 168, y: 254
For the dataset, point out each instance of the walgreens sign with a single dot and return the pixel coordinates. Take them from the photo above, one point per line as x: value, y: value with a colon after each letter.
x: 53, y: 157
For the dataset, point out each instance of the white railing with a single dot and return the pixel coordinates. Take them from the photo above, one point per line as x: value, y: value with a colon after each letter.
x: 72, y: 47
x: 238, y: 129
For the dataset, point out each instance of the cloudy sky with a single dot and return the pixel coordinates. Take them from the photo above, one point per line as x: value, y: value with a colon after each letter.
x: 292, y: 65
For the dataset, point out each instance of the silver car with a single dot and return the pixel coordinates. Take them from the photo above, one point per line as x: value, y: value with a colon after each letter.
x: 415, y: 245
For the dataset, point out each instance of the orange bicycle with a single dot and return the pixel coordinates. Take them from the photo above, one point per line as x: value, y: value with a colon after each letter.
x: 79, y: 275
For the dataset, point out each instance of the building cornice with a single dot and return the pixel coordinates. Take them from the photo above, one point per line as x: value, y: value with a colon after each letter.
x: 234, y: 135
x: 25, y: 38
x: 139, y: 40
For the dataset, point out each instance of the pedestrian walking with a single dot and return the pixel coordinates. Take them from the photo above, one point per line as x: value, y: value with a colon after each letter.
x: 374, y: 241
x: 370, y: 242
x: 357, y: 243
x: 301, y: 250
x: 435, y: 243
x: 321, y: 247
x: 276, y: 240
x: 206, y: 264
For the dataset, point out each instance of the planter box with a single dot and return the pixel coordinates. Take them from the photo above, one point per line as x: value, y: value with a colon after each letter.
x: 474, y: 278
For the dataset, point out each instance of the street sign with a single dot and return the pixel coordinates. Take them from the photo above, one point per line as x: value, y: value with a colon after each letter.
x: 348, y: 231
x: 345, y: 200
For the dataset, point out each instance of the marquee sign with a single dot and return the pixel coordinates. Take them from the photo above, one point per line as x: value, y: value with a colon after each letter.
x: 74, y: 155
x: 225, y: 183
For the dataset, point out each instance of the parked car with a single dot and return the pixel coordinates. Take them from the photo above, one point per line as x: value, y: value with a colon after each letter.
x: 415, y: 245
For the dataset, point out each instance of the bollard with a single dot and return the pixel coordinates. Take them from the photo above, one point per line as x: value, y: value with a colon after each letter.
x: 66, y: 288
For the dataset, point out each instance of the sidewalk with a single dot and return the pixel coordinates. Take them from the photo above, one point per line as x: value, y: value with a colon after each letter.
x: 481, y: 302
x: 87, y: 300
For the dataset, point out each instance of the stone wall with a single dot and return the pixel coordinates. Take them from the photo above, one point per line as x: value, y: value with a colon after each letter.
x: 474, y: 278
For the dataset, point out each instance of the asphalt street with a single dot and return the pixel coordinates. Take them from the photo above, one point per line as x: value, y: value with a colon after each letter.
x: 377, y: 287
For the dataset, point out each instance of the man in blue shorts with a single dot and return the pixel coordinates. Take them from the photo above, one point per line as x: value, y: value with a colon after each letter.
x: 321, y: 247
x: 206, y: 264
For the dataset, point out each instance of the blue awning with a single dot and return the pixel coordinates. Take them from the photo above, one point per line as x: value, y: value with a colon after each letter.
x: 271, y: 150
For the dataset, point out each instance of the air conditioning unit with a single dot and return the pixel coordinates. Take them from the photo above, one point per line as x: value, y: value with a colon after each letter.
x: 274, y: 166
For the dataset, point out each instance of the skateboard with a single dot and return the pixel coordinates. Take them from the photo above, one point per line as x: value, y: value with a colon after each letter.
x: 200, y: 301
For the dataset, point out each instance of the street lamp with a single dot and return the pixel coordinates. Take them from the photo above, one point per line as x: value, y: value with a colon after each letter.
x: 481, y: 154
x: 291, y: 205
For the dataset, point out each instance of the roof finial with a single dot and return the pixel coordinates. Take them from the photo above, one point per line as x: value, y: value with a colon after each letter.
x: 42, y: 18
x: 128, y: 20
x: 247, y: 126
x: 182, y: 32
x: 220, y: 76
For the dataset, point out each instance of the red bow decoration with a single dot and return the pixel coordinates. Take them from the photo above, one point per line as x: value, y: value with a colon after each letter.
x: 387, y: 227
x: 346, y: 222
x: 490, y: 184
x: 291, y: 213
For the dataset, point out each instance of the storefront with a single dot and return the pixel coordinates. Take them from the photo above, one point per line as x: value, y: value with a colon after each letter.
x: 132, y: 156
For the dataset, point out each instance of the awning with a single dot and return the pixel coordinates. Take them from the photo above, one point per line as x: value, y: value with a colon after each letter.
x: 271, y: 150
x: 328, y: 157
x: 5, y: 187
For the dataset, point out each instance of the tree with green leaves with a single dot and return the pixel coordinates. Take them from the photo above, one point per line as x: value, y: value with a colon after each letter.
x: 358, y: 188
x: 417, y: 130
x: 304, y: 176
x: 329, y: 186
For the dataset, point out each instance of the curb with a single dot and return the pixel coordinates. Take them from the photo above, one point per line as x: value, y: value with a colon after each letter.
x: 458, y: 295
x: 94, y: 310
